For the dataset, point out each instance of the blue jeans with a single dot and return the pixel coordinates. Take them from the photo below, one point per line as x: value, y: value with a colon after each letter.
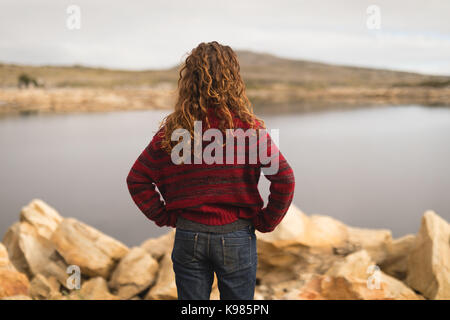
x: 232, y: 256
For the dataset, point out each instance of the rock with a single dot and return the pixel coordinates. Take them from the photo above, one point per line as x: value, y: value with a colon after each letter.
x: 5, y: 263
x: 291, y: 290
x: 18, y: 297
x: 158, y: 247
x: 33, y: 254
x: 429, y: 260
x: 165, y: 287
x: 215, y: 293
x: 269, y: 275
x: 310, y: 231
x: 396, y: 289
x: 324, y: 233
x: 298, y: 244
x: 258, y: 296
x: 313, y: 231
x: 395, y: 262
x: 292, y: 228
x: 94, y: 252
x: 356, y: 277
x: 22, y: 241
x: 282, y: 289
x: 302, y: 244
x: 42, y: 288
x: 12, y: 282
x: 136, y: 271
x: 374, y: 241
x: 42, y: 217
x: 305, y: 257
x: 93, y: 289
x: 312, y: 245
x: 311, y: 291
x: 271, y: 255
x: 262, y: 292
x: 360, y: 273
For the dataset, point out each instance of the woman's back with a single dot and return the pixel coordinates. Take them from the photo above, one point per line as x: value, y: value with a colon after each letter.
x: 211, y: 194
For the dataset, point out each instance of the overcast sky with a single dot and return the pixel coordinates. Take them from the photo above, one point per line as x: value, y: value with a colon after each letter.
x: 414, y: 35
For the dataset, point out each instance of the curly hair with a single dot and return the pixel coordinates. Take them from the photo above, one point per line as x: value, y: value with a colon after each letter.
x: 209, y: 80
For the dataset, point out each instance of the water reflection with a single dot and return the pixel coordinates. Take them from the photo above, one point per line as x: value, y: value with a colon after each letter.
x: 376, y: 167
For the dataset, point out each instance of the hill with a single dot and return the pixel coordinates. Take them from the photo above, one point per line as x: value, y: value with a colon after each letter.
x: 258, y: 69
x: 293, y: 85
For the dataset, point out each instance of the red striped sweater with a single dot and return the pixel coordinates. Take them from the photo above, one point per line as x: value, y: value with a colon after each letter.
x: 213, y: 194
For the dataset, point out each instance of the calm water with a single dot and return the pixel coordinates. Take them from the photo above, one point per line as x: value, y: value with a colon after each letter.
x: 377, y: 168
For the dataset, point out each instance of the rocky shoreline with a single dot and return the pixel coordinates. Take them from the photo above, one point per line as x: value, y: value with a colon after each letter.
x: 14, y: 101
x: 305, y: 258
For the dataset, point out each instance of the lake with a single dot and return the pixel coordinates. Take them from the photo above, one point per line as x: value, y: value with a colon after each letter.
x: 370, y: 167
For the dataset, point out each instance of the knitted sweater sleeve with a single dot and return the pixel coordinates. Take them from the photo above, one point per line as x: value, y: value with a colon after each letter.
x: 141, y: 181
x: 282, y: 185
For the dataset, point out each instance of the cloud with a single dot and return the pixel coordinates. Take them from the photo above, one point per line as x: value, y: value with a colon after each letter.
x: 157, y: 34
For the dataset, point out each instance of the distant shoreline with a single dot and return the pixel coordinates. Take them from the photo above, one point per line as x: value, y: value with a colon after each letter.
x: 272, y: 84
x: 15, y: 101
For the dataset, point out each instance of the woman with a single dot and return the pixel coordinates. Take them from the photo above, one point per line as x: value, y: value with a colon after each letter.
x: 214, y: 207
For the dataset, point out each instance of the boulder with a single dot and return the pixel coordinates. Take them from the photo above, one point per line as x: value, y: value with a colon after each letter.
x: 374, y: 241
x: 283, y: 289
x: 165, y: 287
x: 42, y: 288
x: 395, y: 262
x: 12, y: 282
x: 93, y: 289
x: 325, y: 233
x: 32, y: 253
x: 158, y: 247
x: 270, y: 275
x: 311, y: 244
x: 312, y: 231
x: 94, y: 252
x: 356, y: 277
x: 28, y: 244
x: 311, y: 291
x: 136, y: 271
x: 258, y: 296
x: 292, y: 228
x: 5, y: 263
x: 428, y: 269
x: 270, y: 255
x: 299, y: 243
x: 42, y: 217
